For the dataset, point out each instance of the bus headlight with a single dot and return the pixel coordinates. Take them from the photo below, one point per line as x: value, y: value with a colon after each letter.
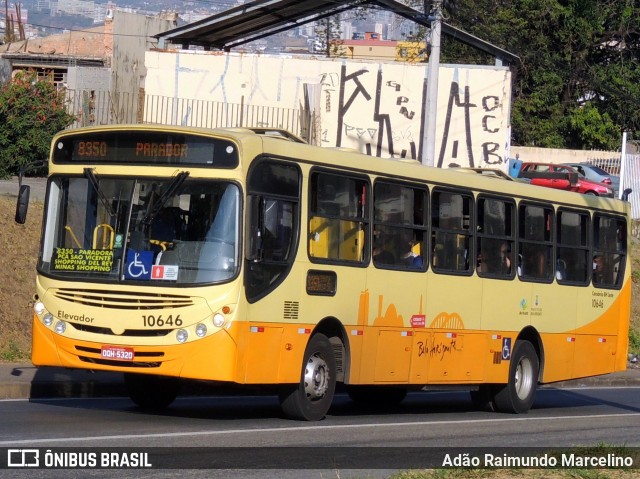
x: 48, y: 319
x: 201, y: 330
x: 218, y: 320
x: 182, y: 335
x: 61, y: 327
x: 38, y: 308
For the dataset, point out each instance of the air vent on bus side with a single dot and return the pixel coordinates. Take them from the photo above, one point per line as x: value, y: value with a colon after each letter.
x: 291, y: 310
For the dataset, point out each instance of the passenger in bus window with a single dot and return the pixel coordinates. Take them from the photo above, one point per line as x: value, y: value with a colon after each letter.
x: 495, y: 261
x: 561, y: 269
x: 414, y: 256
x: 534, y: 263
x: 164, y: 226
x: 505, y: 258
x: 598, y: 269
x: 382, y: 256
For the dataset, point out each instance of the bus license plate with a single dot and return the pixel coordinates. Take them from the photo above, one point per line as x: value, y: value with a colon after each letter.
x: 117, y: 353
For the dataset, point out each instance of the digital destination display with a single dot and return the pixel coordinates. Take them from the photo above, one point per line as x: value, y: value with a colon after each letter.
x: 145, y: 147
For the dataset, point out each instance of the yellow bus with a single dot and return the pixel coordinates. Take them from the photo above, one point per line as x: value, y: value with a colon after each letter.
x: 244, y: 257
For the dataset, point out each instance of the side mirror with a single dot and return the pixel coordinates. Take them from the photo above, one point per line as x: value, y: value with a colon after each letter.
x: 626, y: 193
x: 23, y: 204
x: 253, y: 251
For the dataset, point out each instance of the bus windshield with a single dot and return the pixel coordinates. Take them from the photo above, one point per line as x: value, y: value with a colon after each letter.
x: 173, y: 230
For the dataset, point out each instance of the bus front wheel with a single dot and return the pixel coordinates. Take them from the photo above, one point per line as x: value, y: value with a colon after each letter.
x: 518, y: 394
x: 311, y: 398
x: 151, y: 392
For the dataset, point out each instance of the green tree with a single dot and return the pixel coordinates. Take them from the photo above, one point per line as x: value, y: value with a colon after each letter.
x: 32, y: 110
x: 577, y: 84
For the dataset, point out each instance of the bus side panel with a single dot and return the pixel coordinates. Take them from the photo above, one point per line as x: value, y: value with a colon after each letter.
x: 623, y: 323
x: 601, y: 345
x: 419, y: 373
x: 393, y: 356
x: 261, y: 353
x: 595, y: 354
x: 559, y: 351
x: 455, y: 357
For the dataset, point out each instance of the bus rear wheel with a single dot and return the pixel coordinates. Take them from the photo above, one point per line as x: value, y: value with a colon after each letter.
x: 311, y: 398
x: 518, y: 394
x: 151, y: 392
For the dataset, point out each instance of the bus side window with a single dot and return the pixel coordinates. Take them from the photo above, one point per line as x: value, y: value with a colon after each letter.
x: 535, y: 245
x: 338, y: 217
x: 609, y: 251
x: 496, y: 237
x: 451, y: 231
x: 573, y: 243
x: 399, y: 232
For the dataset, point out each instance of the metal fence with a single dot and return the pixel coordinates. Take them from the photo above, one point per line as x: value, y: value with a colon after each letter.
x: 103, y: 108
x: 92, y: 107
x: 629, y: 173
x: 210, y: 114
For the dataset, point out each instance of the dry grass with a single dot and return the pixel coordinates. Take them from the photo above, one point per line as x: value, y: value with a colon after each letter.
x: 17, y: 285
x: 18, y: 259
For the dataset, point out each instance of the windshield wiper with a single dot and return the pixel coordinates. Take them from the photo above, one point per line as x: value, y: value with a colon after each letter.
x: 93, y: 179
x: 168, y: 193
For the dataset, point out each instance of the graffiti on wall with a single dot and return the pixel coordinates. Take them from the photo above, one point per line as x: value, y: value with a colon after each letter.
x: 384, y: 117
x: 461, y: 106
x: 374, y: 108
x: 358, y: 103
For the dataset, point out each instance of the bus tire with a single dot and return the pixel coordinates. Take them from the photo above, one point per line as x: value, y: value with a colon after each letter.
x: 151, y: 392
x: 376, y: 395
x: 311, y: 398
x: 518, y: 394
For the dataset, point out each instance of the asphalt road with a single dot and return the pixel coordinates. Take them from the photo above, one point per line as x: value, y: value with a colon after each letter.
x: 37, y: 185
x: 357, y: 437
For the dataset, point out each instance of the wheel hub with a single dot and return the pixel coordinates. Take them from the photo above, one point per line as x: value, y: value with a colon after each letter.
x: 524, y: 378
x: 316, y: 377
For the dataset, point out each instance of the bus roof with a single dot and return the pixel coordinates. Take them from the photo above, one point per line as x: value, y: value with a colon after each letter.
x: 283, y: 144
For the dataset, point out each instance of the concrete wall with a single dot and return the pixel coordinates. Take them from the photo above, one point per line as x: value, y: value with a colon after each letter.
x: 376, y: 108
x: 88, y: 78
x: 556, y: 155
x: 5, y: 70
x: 131, y: 39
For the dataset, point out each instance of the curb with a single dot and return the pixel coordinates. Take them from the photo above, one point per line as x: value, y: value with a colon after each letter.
x: 20, y: 381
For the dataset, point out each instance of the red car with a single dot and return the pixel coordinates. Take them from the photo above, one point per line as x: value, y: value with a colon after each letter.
x: 562, y: 177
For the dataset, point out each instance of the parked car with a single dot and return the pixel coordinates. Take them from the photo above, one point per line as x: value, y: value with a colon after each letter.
x: 597, y: 174
x: 563, y: 177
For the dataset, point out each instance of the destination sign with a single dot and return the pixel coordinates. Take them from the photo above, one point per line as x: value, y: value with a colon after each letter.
x: 145, y: 147
x: 75, y: 259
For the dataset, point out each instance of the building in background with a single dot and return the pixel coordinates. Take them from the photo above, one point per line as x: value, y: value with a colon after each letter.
x: 102, y: 68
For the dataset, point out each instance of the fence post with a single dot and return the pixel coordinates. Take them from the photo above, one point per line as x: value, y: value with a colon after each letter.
x: 623, y: 162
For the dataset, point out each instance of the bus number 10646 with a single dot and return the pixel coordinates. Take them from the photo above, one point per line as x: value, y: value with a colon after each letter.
x: 151, y: 321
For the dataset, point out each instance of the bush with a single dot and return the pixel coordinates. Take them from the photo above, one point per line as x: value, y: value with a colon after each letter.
x: 32, y: 110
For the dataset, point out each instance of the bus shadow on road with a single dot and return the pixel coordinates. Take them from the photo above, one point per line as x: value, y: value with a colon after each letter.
x: 550, y: 397
x: 251, y: 406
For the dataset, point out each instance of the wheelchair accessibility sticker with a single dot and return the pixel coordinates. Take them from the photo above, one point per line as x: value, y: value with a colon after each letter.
x: 506, y: 348
x: 138, y: 264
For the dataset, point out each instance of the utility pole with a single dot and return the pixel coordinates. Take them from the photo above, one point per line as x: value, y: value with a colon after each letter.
x: 431, y: 107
